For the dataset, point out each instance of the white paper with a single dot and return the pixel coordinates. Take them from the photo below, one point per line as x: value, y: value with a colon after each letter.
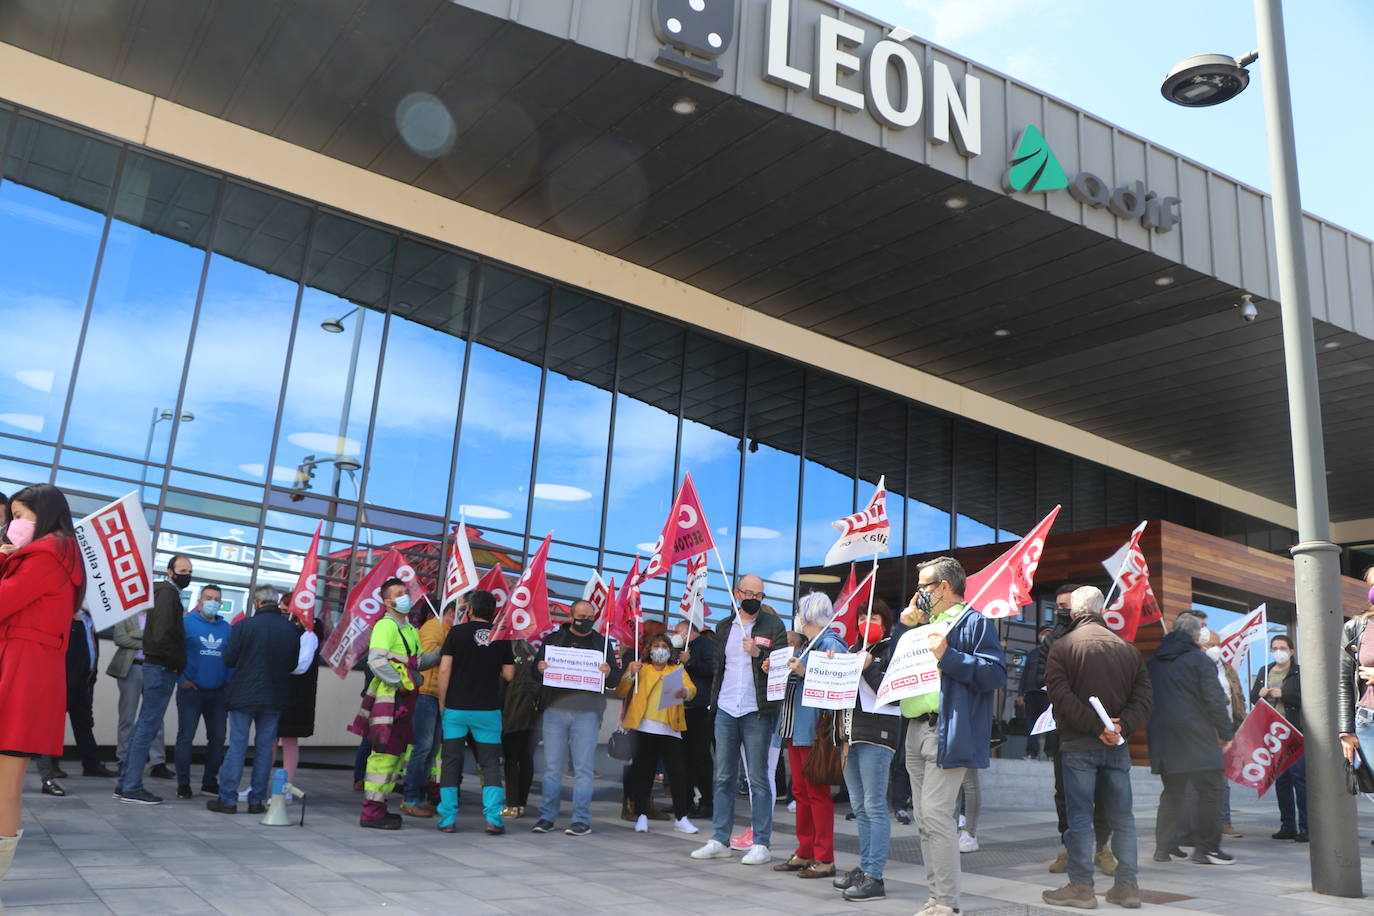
x: 832, y: 683
x: 574, y: 669
x: 868, y: 701
x: 1045, y: 723
x: 778, y: 672
x: 1106, y: 719
x: 913, y: 670
x: 668, y: 688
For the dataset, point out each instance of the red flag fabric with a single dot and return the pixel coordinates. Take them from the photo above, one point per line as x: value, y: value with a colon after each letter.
x: 305, y: 595
x: 863, y: 534
x: 461, y: 576
x: 686, y: 533
x: 347, y: 643
x: 852, y: 600
x: 1135, y: 603
x: 498, y: 583
x: 693, y: 603
x: 1003, y: 587
x: 625, y: 610
x: 527, y: 610
x: 1265, y: 745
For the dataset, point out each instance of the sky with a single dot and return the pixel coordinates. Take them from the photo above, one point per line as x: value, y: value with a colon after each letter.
x: 1109, y: 59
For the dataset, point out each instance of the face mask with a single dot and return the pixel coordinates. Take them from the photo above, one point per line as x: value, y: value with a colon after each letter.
x: 1205, y: 636
x: 582, y: 625
x: 1371, y: 597
x: 677, y: 640
x: 871, y: 632
x: 210, y: 609
x: 403, y: 604
x: 1214, y: 653
x: 659, y: 656
x: 1281, y: 657
x: 20, y: 532
x: 180, y: 580
x: 750, y: 606
x: 924, y: 601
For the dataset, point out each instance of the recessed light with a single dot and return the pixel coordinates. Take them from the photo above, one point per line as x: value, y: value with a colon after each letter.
x: 685, y: 106
x: 1164, y: 281
x: 1001, y: 332
x: 956, y: 203
x: 819, y: 578
x: 183, y: 224
x: 1331, y: 344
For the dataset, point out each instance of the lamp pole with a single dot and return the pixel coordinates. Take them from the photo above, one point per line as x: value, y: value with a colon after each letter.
x: 1335, y: 860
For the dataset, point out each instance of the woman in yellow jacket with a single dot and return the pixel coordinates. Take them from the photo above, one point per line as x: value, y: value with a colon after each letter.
x: 658, y: 732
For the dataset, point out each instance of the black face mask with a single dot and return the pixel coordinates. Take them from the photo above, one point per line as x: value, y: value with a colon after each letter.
x: 582, y: 626
x: 180, y: 580
x: 750, y: 606
x: 924, y: 601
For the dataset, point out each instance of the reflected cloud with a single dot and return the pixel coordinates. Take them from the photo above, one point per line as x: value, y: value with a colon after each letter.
x: 279, y: 473
x: 560, y: 492
x: 487, y: 512
x: 326, y: 443
x: 37, y: 379
x: 757, y: 533
x: 28, y: 421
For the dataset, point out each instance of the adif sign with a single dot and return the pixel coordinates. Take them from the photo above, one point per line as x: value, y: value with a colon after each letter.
x: 889, y: 65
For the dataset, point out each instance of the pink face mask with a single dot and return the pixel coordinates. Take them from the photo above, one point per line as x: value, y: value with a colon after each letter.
x: 1371, y: 597
x: 20, y: 532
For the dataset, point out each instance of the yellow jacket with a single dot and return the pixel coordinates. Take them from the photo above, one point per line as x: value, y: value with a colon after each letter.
x: 432, y: 636
x: 640, y: 706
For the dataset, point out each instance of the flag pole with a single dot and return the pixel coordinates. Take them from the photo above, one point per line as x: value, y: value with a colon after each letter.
x: 728, y: 590
x: 431, y: 605
x: 872, y: 590
x: 835, y: 612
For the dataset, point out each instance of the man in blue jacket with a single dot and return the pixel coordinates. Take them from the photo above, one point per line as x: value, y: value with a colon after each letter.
x: 200, y: 693
x: 950, y: 731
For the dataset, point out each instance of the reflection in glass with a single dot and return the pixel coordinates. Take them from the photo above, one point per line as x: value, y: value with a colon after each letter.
x: 927, y: 506
x: 882, y: 453
x: 828, y: 478
x: 1015, y: 487
x: 975, y: 484
x: 768, y: 530
x: 712, y: 439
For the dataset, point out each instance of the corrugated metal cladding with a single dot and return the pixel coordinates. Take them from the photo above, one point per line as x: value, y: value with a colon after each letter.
x: 803, y: 210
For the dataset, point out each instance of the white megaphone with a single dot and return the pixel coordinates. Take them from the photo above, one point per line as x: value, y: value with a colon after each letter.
x: 276, y: 806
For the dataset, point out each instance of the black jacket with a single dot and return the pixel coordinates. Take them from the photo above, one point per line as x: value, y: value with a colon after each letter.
x: 566, y: 638
x: 770, y: 635
x: 701, y: 668
x: 1033, y: 674
x: 874, y: 727
x: 1290, y: 703
x: 81, y: 668
x: 164, y: 635
x: 1191, y: 715
x: 1350, y: 688
x: 263, y: 651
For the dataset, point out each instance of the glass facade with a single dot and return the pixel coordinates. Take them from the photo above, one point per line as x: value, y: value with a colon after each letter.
x: 257, y: 364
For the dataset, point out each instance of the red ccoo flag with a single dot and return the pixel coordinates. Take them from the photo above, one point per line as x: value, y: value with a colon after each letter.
x: 1135, y: 603
x: 625, y: 610
x: 461, y: 576
x: 853, y: 595
x: 498, y: 583
x: 685, y: 534
x: 527, y: 610
x: 305, y: 595
x: 1003, y: 587
x: 862, y: 534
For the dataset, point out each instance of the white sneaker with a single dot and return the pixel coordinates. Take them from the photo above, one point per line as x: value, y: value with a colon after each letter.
x: 714, y: 849
x: 684, y: 826
x: 967, y: 842
x: 792, y: 806
x: 934, y: 909
x: 642, y: 825
x: 757, y: 855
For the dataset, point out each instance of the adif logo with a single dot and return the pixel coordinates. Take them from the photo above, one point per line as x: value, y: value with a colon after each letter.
x: 210, y: 644
x: 1033, y: 168
x: 695, y: 33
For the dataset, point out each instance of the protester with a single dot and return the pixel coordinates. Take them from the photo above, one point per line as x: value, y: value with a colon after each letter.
x: 200, y: 695
x: 970, y: 805
x: 799, y: 728
x: 1278, y: 685
x: 42, y: 583
x: 873, y: 738
x: 472, y: 668
x: 1033, y: 699
x: 1190, y: 728
x: 658, y: 731
x: 1355, y: 691
x: 164, y: 656
x: 1235, y: 698
x: 745, y: 721
x: 428, y: 728
x: 519, y: 712
x: 699, y: 658
x: 126, y: 667
x: 83, y: 659
x: 393, y: 662
x: 263, y: 651
x: 950, y: 730
x: 298, y: 719
x: 1092, y: 662
x: 572, y: 723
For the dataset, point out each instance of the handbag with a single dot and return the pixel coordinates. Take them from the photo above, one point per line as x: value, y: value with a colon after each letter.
x: 621, y: 745
x: 1359, y: 778
x: 825, y: 764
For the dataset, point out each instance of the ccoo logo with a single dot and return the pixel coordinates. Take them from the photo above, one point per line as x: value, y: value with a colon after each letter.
x: 695, y: 33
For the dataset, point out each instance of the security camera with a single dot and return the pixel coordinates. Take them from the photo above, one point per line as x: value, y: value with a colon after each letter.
x: 1248, y: 310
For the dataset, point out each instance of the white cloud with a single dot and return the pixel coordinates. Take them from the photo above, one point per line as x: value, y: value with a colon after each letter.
x: 487, y: 512
x: 559, y: 492
x: 27, y: 421
x: 37, y: 379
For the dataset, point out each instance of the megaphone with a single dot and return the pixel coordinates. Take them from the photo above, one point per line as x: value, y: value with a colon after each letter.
x: 276, y: 806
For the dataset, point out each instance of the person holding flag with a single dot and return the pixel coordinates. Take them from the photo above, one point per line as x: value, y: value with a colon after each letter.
x: 698, y: 657
x: 1278, y: 685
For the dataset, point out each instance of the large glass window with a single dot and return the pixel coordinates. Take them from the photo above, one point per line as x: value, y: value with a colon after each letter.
x: 712, y: 438
x: 829, y: 490
x: 1015, y: 487
x: 975, y: 484
x: 931, y: 480
x: 882, y: 453
x: 768, y: 524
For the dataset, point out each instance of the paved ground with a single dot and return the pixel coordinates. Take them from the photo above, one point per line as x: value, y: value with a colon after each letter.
x: 88, y: 854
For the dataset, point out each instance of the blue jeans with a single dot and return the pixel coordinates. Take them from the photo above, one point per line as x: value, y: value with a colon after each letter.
x: 424, y: 744
x: 158, y: 684
x: 1364, y: 733
x: 1084, y: 772
x: 753, y: 732
x: 1290, y: 789
x: 263, y: 721
x: 866, y: 776
x: 192, y: 704
x: 564, y: 730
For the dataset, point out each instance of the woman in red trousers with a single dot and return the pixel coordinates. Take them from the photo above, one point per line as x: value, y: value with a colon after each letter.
x: 42, y: 583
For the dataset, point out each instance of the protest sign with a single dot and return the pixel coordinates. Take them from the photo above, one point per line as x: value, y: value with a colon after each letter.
x: 778, y: 672
x: 1265, y: 745
x: 574, y: 669
x: 116, y: 552
x: 1045, y: 723
x: 868, y: 701
x: 668, y: 689
x: 832, y: 683
x: 913, y: 670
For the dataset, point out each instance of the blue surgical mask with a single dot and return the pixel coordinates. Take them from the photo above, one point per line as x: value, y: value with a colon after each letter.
x: 210, y: 609
x: 403, y: 604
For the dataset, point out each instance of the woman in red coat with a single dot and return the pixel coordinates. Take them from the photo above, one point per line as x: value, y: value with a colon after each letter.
x: 42, y: 582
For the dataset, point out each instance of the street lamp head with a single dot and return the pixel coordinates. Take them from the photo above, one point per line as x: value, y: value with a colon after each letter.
x: 187, y: 416
x: 348, y: 463
x: 333, y: 325
x: 1207, y: 79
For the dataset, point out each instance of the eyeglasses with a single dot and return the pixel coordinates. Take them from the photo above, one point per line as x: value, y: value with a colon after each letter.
x: 743, y: 593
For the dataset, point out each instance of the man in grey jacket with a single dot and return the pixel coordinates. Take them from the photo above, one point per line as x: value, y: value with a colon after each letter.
x: 127, y: 669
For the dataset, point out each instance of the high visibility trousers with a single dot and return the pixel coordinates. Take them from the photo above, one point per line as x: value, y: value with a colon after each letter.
x: 379, y: 781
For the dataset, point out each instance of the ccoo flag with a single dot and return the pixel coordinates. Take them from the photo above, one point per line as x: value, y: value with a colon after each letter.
x: 625, y: 610
x: 693, y: 604
x: 853, y: 595
x: 685, y: 533
x: 114, y: 543
x: 305, y: 596
x: 527, y: 610
x: 863, y: 534
x: 461, y: 575
x: 1004, y: 587
x: 1235, y: 639
x: 598, y: 593
x: 498, y: 583
x: 348, y: 641
x: 1135, y: 603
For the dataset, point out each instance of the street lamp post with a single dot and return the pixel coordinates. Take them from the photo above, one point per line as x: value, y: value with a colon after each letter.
x: 1208, y: 80
x: 158, y: 416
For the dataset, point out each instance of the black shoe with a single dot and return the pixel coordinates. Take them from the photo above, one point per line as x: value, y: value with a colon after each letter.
x: 495, y: 830
x: 851, y: 816
x: 1284, y: 834
x: 50, y: 787
x: 579, y: 830
x: 257, y: 808
x: 1216, y: 857
x: 99, y: 770
x: 542, y: 826
x: 866, y: 888
x: 185, y: 792
x: 162, y: 771
x: 212, y: 791
x: 904, y: 817
x: 220, y: 807
x: 845, y: 881
x: 59, y: 773
x: 141, y: 797
x: 1301, y: 838
x: 387, y: 821
x: 1168, y: 855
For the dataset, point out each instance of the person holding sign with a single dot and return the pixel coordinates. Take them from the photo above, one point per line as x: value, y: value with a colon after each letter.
x: 798, y: 729
x: 1279, y: 685
x: 656, y: 692
x: 1091, y: 672
x: 572, y: 720
x: 950, y: 729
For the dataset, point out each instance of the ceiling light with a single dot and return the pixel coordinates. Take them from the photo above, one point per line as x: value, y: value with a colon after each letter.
x: 818, y: 578
x: 1331, y: 344
x: 1001, y: 332
x: 1164, y: 281
x: 685, y: 106
x: 183, y: 224
x: 956, y: 203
